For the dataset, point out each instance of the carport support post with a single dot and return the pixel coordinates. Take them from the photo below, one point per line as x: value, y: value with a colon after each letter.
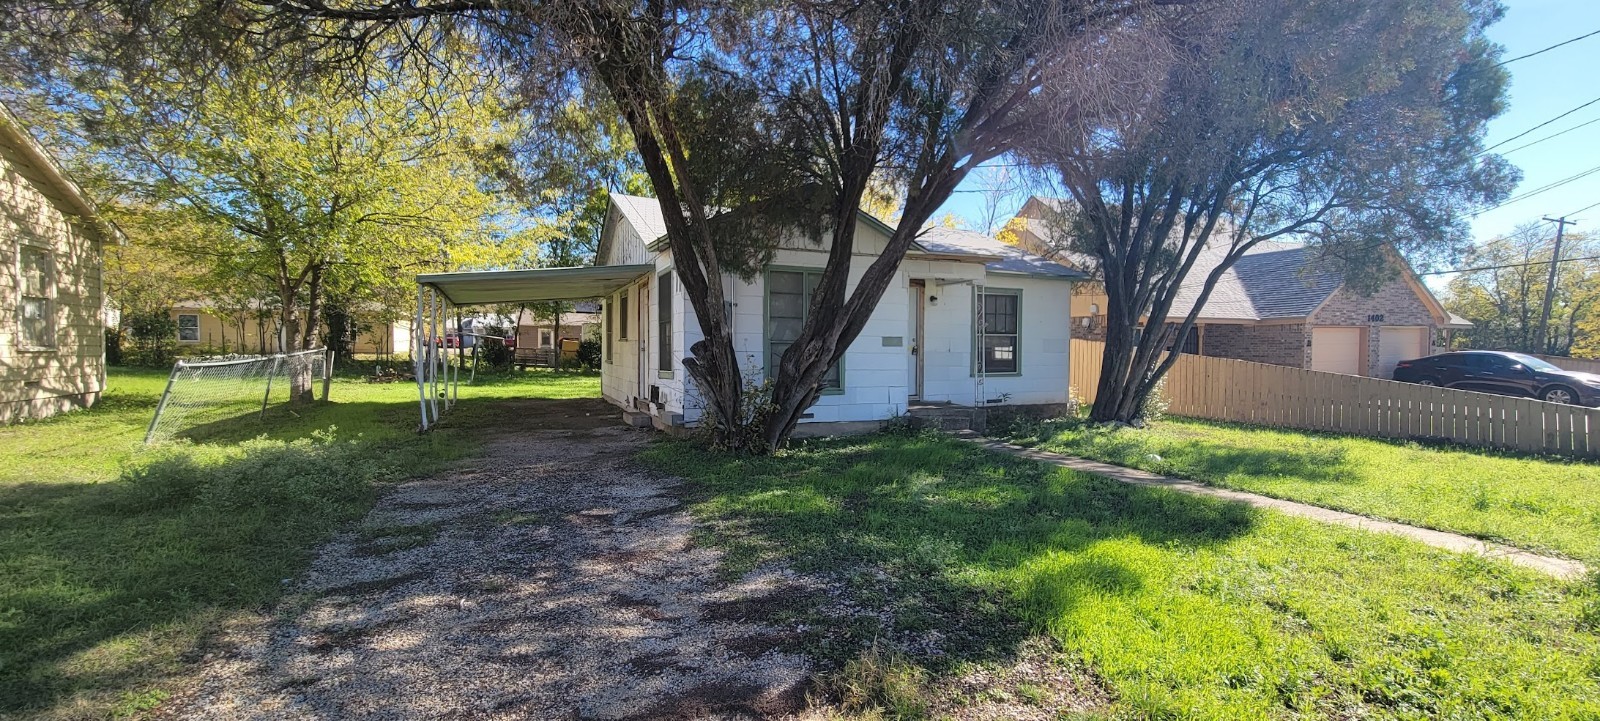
x: 461, y: 358
x: 433, y: 352
x: 416, y: 360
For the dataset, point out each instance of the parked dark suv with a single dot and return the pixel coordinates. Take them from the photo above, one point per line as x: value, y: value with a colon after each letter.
x: 1508, y: 374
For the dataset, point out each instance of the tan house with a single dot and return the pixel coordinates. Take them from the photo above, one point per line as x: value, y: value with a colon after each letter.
x: 202, y: 329
x: 537, y: 336
x: 1278, y: 304
x: 52, y: 340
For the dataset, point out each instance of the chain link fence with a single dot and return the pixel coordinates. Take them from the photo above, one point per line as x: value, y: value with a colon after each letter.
x: 217, y: 390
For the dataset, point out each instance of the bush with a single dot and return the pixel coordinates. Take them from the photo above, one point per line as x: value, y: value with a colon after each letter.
x: 155, y: 338
x: 589, y: 354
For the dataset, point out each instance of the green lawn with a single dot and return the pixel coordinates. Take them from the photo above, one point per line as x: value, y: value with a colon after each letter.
x: 1183, y: 607
x: 1544, y: 504
x: 115, y: 560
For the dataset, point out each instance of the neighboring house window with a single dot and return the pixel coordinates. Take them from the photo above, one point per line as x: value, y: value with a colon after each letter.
x: 37, y: 311
x: 611, y: 328
x: 622, y: 322
x: 788, y: 301
x: 664, y: 325
x: 1001, y: 332
x: 546, y: 338
x: 188, y: 327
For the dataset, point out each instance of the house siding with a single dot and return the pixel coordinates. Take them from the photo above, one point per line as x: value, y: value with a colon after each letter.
x: 38, y: 383
x: 876, y: 367
x: 246, y: 334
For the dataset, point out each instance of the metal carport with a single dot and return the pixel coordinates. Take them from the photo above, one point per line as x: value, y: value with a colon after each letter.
x: 438, y: 293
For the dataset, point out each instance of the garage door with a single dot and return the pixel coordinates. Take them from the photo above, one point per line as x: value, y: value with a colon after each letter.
x: 1397, y: 343
x: 1336, y: 350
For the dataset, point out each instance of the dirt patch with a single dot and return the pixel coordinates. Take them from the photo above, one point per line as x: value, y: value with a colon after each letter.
x: 551, y: 578
x: 557, y: 581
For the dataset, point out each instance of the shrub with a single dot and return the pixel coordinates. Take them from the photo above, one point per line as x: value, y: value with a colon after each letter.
x: 589, y: 354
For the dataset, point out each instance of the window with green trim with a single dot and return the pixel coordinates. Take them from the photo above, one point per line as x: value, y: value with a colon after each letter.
x: 622, y: 317
x: 788, y: 301
x: 664, y: 324
x: 1002, y: 332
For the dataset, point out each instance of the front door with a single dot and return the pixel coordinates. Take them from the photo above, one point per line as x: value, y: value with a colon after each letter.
x: 914, y: 338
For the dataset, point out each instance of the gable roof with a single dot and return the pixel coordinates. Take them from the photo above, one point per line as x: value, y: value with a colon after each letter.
x: 13, y: 135
x: 1013, y: 260
x: 644, y: 214
x: 1273, y: 280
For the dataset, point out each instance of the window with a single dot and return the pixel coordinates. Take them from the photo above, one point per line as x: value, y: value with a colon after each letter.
x: 664, y: 325
x: 188, y: 327
x: 1001, y: 331
x: 546, y: 338
x: 611, y: 328
x: 788, y: 301
x: 622, y: 330
x: 38, y: 284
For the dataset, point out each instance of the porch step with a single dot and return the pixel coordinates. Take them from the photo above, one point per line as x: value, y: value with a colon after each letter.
x: 637, y: 419
x: 947, y: 417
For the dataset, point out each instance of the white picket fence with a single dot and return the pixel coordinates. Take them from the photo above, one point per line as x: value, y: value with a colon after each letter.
x: 1233, y: 390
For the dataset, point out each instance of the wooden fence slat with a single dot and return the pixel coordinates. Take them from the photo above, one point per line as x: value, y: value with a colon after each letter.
x: 1240, y: 391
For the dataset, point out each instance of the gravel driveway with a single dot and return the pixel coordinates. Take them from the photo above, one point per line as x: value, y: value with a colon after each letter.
x: 549, y: 578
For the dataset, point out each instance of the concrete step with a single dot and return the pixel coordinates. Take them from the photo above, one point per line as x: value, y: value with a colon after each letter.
x: 947, y: 417
x: 637, y: 419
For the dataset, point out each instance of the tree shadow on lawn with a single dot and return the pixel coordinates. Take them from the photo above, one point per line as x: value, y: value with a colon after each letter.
x: 1172, y: 450
x: 973, y: 549
x: 192, y: 531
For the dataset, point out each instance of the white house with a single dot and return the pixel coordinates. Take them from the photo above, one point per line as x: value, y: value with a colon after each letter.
x: 925, y: 349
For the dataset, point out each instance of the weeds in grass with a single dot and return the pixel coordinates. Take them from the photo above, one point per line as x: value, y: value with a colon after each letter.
x: 879, y: 683
x: 1541, y: 504
x: 115, y: 560
x: 1183, y: 607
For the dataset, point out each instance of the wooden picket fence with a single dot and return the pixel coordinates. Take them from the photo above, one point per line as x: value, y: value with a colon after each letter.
x: 1581, y: 365
x: 1240, y: 391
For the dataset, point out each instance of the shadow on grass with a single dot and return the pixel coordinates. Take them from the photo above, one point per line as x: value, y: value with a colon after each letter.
x: 939, y: 535
x: 107, y: 586
x: 1171, y: 450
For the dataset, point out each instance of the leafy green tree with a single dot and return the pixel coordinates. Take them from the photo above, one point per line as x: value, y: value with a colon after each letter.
x: 1504, y: 294
x: 1353, y: 125
x: 754, y: 122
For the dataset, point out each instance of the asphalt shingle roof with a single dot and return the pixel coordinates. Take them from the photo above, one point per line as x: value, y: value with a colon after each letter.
x: 954, y: 241
x: 1272, y: 280
x: 645, y: 216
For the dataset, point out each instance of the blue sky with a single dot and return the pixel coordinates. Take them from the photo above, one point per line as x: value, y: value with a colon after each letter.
x: 1542, y: 87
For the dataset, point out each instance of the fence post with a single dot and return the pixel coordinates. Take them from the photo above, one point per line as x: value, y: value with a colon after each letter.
x: 327, y: 374
x: 276, y: 361
x: 161, y: 406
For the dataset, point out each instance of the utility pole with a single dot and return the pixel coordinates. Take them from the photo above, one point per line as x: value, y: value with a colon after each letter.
x: 1550, y: 282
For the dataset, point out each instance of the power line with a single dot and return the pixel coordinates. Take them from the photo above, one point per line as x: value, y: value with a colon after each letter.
x: 1508, y: 265
x: 1540, y: 125
x: 1536, y: 191
x: 1547, y: 137
x: 1586, y: 207
x: 1548, y: 49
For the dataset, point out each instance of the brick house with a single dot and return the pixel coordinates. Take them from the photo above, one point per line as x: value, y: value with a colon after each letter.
x: 1278, y: 305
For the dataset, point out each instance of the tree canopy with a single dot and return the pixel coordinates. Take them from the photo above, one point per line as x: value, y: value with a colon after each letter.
x: 1351, y: 125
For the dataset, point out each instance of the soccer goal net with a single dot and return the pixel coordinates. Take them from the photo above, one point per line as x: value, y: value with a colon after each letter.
x: 214, y: 391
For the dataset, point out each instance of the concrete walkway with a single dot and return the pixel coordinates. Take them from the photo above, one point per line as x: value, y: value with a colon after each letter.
x: 1558, y: 567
